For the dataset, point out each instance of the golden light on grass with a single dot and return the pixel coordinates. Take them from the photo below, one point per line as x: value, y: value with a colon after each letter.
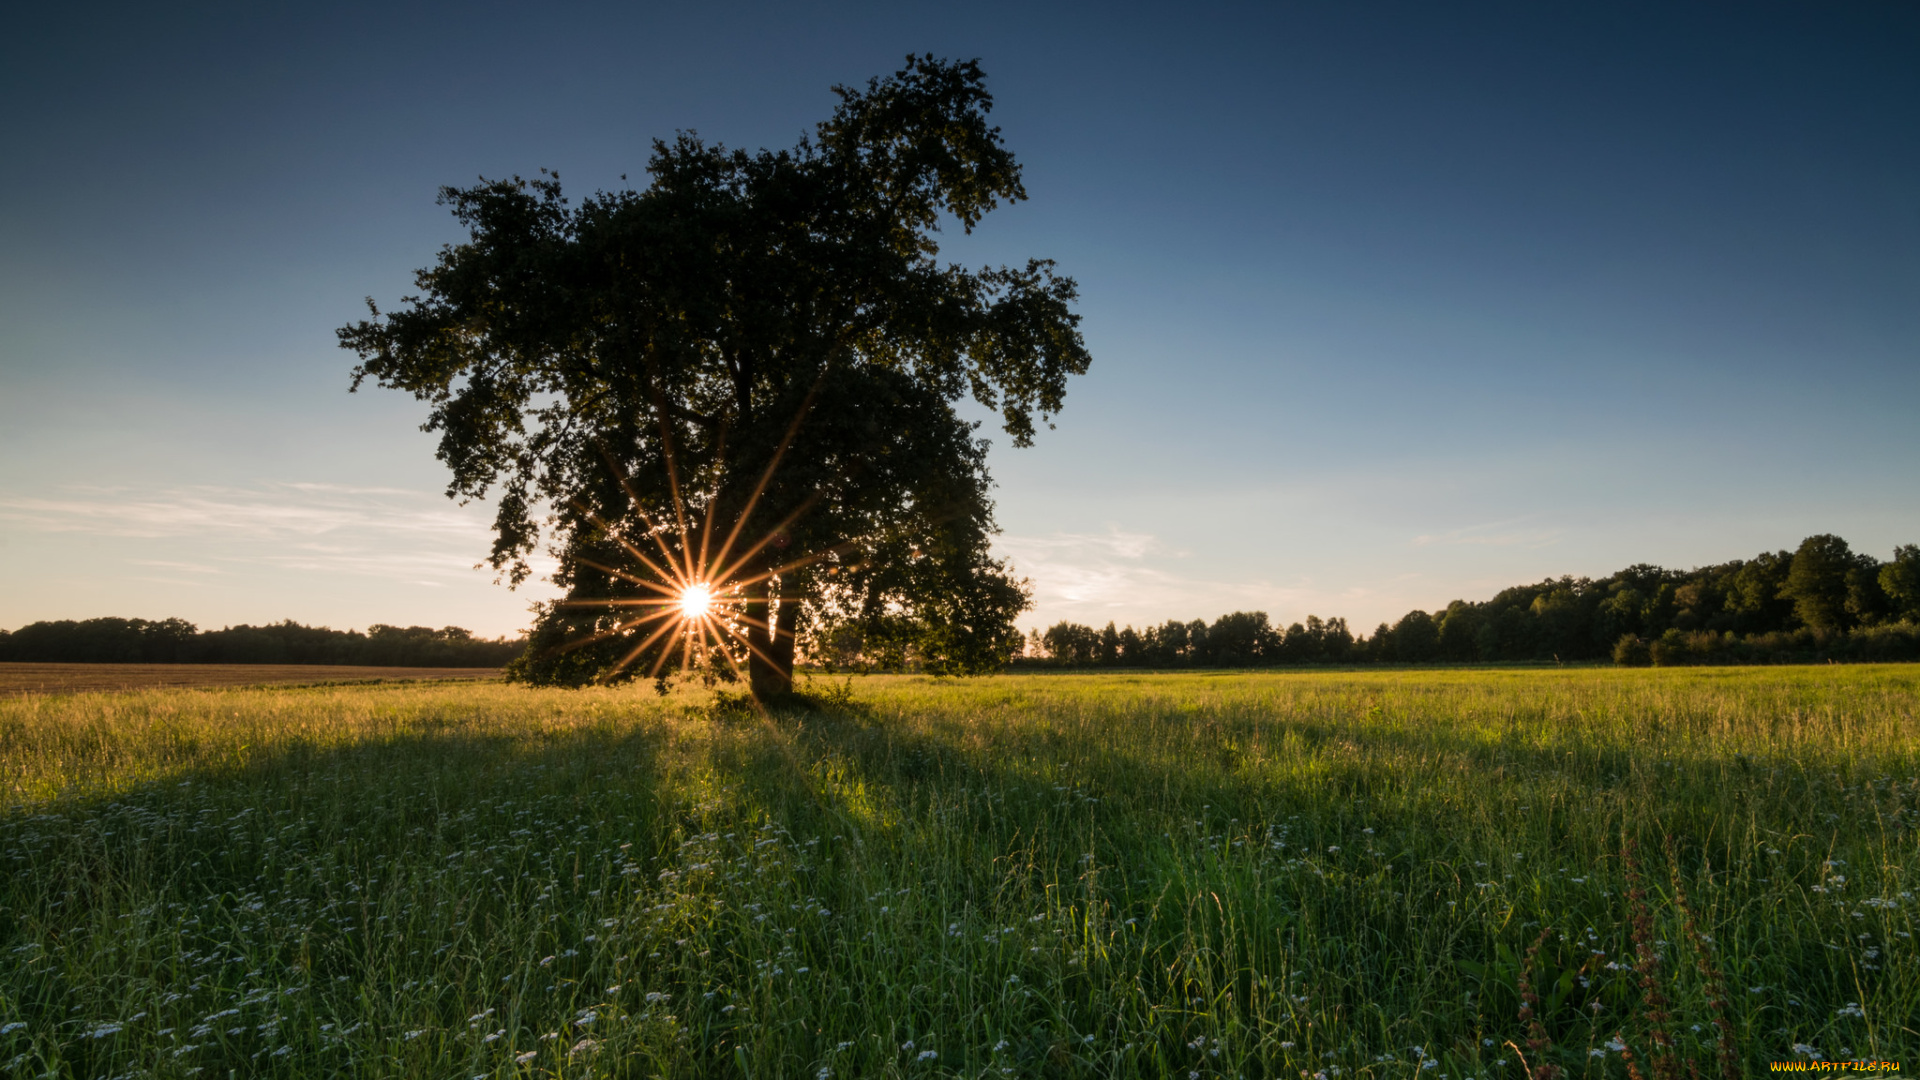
x: 1465, y: 804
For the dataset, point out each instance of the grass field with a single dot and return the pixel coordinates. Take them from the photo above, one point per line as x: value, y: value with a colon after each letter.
x: 20, y: 678
x: 1247, y: 875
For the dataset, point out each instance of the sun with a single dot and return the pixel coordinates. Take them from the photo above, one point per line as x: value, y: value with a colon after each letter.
x: 696, y: 601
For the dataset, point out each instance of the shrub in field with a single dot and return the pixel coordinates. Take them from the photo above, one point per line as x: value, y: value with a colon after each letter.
x: 1631, y: 651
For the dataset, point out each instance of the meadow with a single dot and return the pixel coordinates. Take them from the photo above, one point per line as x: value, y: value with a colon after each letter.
x: 1438, y: 874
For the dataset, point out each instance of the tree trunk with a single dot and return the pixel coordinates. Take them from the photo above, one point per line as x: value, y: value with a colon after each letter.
x: 770, y: 661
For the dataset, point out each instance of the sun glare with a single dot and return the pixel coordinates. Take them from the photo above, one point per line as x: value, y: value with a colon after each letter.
x: 696, y: 601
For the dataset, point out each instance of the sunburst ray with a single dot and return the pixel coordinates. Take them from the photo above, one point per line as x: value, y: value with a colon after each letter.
x: 697, y: 585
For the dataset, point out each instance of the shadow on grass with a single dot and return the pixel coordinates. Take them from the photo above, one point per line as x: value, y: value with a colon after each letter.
x: 989, y: 817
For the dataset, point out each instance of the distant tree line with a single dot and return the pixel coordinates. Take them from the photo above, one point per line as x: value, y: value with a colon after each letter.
x: 177, y: 641
x: 1241, y: 639
x: 1822, y: 601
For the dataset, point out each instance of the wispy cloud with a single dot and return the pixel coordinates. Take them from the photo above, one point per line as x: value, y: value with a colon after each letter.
x: 392, y: 533
x: 167, y: 564
x: 1492, y: 534
x: 349, y: 489
x: 1113, y: 544
x: 1118, y: 574
x: 275, y: 511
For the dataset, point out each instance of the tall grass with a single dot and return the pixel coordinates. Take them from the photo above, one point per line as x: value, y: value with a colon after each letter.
x: 1244, y: 875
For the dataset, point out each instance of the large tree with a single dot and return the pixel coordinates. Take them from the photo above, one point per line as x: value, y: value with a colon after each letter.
x: 1817, y: 582
x: 741, y: 382
x: 1900, y: 580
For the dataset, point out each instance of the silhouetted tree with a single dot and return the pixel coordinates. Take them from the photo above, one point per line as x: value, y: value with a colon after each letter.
x: 1817, y: 582
x: 1755, y: 594
x: 1199, y: 648
x: 766, y: 342
x: 1239, y: 639
x: 1867, y: 603
x: 1415, y: 638
x: 1900, y: 580
x: 1379, y: 648
x: 1072, y: 644
x: 1171, y: 644
x: 1337, y: 641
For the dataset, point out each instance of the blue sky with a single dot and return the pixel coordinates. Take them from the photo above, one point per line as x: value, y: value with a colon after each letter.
x: 1388, y: 304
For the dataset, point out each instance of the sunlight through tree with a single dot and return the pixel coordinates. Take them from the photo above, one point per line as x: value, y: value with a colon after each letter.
x: 740, y: 384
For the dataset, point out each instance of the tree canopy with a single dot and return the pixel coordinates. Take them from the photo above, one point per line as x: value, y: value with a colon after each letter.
x: 744, y: 379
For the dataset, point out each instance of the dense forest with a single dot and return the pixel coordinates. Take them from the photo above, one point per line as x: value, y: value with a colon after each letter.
x: 1820, y: 602
x: 177, y: 641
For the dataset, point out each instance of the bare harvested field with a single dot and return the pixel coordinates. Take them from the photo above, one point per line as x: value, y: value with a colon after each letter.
x: 16, y: 679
